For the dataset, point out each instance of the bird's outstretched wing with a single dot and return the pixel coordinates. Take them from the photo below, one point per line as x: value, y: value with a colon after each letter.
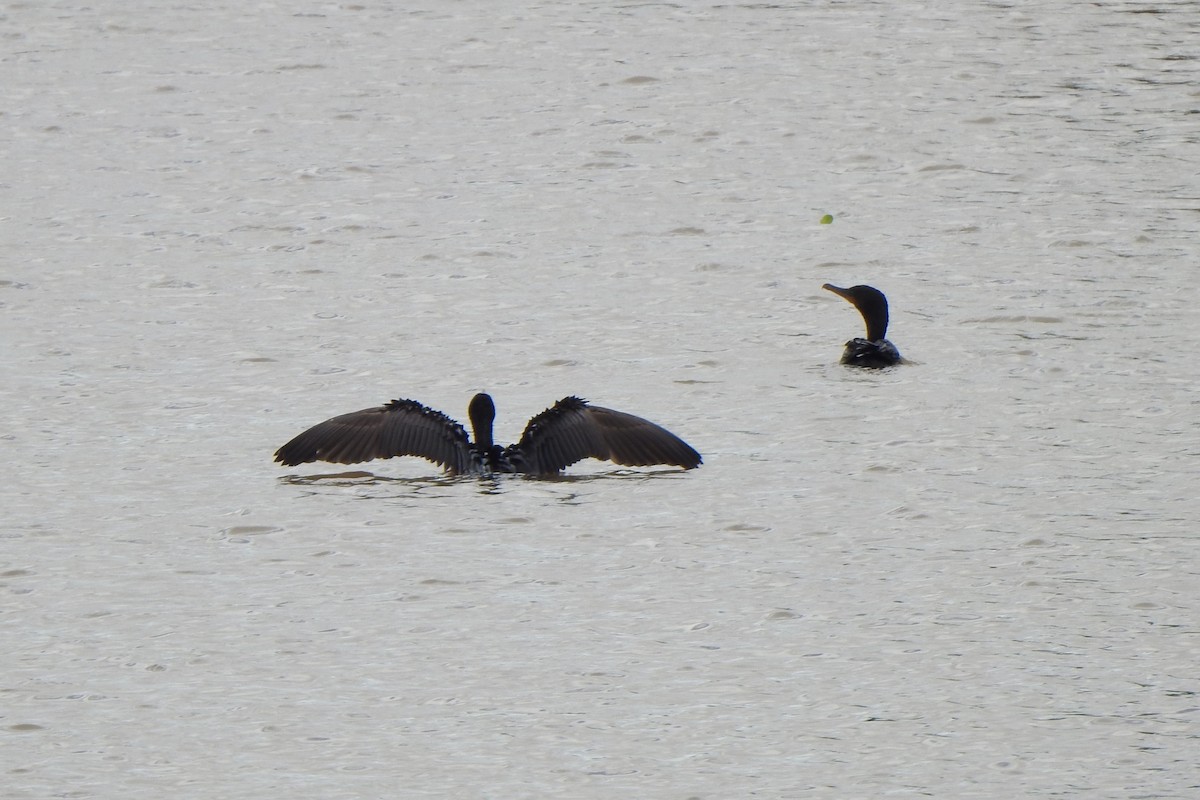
x: 571, y: 430
x: 400, y: 428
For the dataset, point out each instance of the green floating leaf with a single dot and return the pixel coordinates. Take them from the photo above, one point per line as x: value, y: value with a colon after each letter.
x: 827, y: 219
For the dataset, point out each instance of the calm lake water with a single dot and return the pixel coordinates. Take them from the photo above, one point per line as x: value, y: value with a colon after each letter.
x: 973, y: 576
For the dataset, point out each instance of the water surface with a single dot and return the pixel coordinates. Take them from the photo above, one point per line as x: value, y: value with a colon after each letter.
x: 973, y: 576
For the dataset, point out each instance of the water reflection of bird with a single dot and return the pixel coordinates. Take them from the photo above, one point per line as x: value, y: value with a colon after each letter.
x: 875, y: 351
x: 569, y: 431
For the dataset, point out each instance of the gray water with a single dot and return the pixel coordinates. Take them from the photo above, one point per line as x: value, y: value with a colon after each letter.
x: 971, y: 576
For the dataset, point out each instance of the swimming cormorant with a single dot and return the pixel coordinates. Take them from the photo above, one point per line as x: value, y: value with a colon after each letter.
x: 875, y: 351
x: 569, y: 431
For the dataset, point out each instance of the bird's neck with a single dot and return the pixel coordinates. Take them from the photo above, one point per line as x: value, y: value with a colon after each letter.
x: 877, y: 324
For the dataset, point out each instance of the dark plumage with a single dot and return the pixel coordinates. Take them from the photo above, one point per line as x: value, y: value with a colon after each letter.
x: 569, y: 431
x: 875, y: 351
